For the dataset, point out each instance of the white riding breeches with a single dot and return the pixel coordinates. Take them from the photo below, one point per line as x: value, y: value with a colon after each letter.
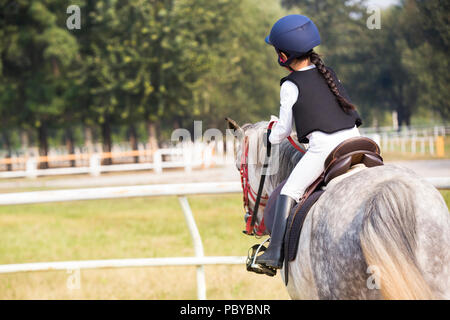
x: 311, y: 165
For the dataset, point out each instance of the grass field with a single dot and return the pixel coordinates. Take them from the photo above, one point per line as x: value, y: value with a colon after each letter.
x: 129, y: 228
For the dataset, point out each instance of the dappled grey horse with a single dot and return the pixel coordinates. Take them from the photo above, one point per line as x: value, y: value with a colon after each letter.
x: 375, y: 233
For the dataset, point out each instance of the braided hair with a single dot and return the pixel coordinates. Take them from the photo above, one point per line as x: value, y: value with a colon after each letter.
x: 317, y: 61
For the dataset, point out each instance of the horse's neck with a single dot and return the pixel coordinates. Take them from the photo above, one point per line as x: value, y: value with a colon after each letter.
x: 254, y: 175
x: 288, y: 157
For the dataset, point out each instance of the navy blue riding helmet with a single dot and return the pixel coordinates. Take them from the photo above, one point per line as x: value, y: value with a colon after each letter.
x: 295, y: 35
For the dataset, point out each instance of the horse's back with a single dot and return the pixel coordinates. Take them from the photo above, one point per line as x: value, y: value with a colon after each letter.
x: 330, y: 263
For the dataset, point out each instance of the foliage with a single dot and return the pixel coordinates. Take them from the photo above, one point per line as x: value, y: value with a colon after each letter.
x: 168, y: 62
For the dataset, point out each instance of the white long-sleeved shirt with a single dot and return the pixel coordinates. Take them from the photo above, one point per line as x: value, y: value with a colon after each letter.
x: 288, y: 97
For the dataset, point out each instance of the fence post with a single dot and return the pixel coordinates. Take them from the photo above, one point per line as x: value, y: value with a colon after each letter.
x: 31, y: 168
x: 219, y: 156
x: 440, y: 146
x: 187, y: 157
x: 229, y: 158
x: 94, y: 165
x: 403, y: 143
x: 207, y: 156
x: 384, y: 142
x: 198, y: 246
x: 157, y: 161
x: 431, y: 143
x: 413, y: 143
x: 391, y: 144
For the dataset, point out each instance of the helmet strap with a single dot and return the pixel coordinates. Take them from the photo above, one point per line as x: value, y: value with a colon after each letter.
x: 292, y: 56
x: 285, y: 63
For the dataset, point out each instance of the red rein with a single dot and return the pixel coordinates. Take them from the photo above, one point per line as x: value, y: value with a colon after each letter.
x: 257, y: 229
x: 248, y: 192
x: 295, y: 145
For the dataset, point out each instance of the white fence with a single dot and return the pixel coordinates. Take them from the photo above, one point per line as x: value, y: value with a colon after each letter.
x: 187, y: 156
x: 413, y: 140
x: 417, y: 130
x: 180, y: 190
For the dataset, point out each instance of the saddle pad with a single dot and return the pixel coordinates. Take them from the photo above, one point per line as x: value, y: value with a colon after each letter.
x: 294, y: 228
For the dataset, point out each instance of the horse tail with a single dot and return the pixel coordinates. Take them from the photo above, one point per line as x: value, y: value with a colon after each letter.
x: 388, y: 241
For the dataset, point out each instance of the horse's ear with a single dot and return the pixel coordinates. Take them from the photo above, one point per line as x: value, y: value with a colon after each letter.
x: 232, y: 124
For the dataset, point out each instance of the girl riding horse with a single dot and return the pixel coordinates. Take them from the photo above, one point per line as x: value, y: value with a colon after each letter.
x: 313, y: 97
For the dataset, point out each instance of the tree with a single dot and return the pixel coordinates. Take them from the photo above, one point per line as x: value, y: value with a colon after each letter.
x: 426, y: 30
x: 36, y: 54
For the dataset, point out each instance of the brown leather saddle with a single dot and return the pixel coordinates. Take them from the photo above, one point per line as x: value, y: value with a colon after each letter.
x: 348, y: 153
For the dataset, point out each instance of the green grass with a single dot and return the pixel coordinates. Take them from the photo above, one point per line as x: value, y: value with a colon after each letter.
x: 446, y: 196
x: 124, y: 228
x: 129, y: 228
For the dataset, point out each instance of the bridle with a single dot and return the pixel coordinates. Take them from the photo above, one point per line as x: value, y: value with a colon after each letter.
x: 252, y: 226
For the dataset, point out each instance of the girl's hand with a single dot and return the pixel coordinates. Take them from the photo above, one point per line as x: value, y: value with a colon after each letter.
x: 273, y: 118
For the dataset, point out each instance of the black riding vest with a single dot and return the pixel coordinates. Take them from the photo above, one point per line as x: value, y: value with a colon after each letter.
x: 317, y: 108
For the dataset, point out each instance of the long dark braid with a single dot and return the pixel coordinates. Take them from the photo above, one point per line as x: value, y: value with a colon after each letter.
x: 344, y: 103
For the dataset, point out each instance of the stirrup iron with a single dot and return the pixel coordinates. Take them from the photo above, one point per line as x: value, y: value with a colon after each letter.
x: 252, y: 266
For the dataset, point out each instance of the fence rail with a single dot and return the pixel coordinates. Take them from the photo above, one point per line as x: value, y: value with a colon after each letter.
x: 120, y: 263
x: 120, y: 192
x: 187, y: 157
x: 413, y: 140
x: 179, y: 190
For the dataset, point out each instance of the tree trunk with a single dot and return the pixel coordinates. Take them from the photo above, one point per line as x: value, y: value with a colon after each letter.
x: 8, y: 148
x: 55, y: 66
x: 25, y: 142
x: 88, y: 140
x: 404, y: 116
x: 133, y: 140
x: 70, y: 145
x: 43, y: 144
x: 107, y: 142
x: 152, y: 136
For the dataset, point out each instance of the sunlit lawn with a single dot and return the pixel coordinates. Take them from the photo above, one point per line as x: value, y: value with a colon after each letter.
x: 130, y: 228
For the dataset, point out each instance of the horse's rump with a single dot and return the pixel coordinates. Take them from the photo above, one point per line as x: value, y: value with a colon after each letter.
x: 339, y: 223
